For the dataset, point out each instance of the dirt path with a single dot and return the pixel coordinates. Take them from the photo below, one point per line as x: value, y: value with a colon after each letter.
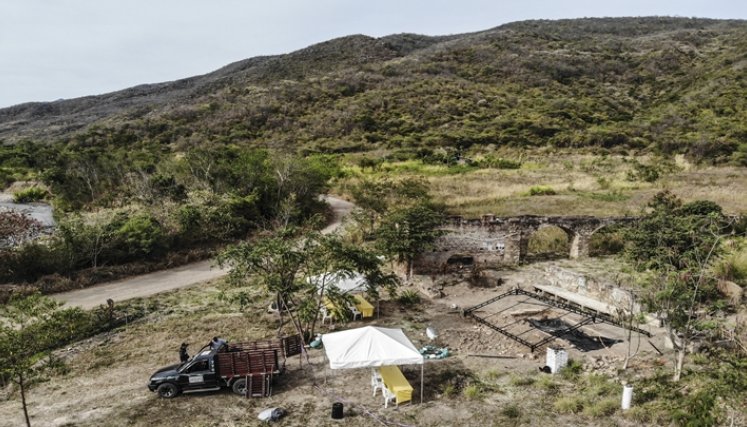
x: 166, y: 280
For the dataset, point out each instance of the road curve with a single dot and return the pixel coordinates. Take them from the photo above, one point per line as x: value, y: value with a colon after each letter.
x: 173, y: 278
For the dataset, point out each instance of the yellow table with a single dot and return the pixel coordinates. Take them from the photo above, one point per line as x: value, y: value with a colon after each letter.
x: 396, y: 383
x: 365, y: 307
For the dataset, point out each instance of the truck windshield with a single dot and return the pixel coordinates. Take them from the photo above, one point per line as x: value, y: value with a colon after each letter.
x: 200, y: 366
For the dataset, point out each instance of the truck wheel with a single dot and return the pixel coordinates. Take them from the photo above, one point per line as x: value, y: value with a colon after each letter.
x: 239, y: 386
x: 168, y: 390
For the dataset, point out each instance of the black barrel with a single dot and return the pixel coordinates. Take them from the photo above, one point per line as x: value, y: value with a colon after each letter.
x: 337, y: 411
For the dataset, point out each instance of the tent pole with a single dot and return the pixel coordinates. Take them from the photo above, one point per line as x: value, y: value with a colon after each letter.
x: 421, y: 381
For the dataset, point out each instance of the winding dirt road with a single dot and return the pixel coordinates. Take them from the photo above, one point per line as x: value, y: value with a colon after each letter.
x: 174, y: 278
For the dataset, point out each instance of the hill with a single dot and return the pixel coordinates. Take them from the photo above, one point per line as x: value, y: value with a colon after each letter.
x: 669, y: 85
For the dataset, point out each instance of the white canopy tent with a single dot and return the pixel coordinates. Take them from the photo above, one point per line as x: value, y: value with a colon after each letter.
x: 342, y: 281
x: 371, y: 346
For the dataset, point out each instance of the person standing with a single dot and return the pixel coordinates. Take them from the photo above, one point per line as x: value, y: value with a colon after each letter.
x: 217, y: 343
x: 183, y: 356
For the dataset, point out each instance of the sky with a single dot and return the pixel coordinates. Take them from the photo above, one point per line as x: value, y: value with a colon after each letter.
x: 53, y: 49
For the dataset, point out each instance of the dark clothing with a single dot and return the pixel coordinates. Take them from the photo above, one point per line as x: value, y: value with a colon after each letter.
x: 183, y: 356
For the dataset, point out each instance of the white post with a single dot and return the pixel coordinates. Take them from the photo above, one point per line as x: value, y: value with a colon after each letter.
x: 627, y: 398
x: 422, y: 365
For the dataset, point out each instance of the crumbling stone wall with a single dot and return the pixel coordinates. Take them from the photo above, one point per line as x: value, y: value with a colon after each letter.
x: 492, y: 242
x: 599, y: 288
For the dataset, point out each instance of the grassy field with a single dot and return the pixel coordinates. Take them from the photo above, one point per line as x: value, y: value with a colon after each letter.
x: 582, y: 185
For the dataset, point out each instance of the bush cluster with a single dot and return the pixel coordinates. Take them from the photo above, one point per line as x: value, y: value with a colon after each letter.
x: 32, y: 194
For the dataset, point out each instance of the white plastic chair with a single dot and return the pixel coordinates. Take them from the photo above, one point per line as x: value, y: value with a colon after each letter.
x: 388, y: 396
x: 356, y: 313
x: 326, y: 315
x: 377, y: 383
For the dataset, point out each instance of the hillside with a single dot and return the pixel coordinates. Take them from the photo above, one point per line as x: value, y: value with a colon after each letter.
x: 666, y: 85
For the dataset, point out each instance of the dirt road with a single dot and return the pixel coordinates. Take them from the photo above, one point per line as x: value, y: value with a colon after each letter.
x: 166, y: 280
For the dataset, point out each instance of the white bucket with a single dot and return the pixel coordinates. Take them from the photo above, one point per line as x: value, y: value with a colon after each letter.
x: 627, y: 399
x: 556, y: 359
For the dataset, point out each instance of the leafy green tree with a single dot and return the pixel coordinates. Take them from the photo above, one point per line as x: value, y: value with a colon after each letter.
x: 283, y: 262
x: 83, y: 242
x: 140, y: 235
x: 408, y: 231
x: 29, y: 328
x: 677, y: 243
x: 375, y: 196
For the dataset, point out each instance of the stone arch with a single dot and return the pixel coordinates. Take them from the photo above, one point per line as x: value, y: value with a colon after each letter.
x: 549, y: 241
x: 605, y: 240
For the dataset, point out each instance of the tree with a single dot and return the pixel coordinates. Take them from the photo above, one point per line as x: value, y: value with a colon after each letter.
x: 30, y: 327
x: 677, y: 244
x: 408, y: 231
x: 283, y: 261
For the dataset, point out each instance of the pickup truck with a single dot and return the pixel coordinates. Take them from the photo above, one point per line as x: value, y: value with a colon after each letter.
x: 247, y: 369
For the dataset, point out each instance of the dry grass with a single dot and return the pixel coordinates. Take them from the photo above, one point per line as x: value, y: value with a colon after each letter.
x: 585, y: 185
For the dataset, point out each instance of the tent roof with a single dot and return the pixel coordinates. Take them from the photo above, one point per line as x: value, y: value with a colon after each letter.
x: 369, y: 346
x: 342, y: 281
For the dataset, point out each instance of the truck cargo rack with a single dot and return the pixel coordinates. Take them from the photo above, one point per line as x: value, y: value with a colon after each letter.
x: 259, y: 384
x: 259, y: 361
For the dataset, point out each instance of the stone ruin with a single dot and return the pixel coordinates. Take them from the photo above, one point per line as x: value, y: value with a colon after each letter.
x: 493, y: 242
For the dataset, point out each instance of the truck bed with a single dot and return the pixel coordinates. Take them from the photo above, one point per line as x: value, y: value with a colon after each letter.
x: 242, y: 363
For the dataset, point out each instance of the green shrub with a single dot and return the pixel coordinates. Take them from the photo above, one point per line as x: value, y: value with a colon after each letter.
x: 473, y: 392
x: 606, y: 242
x: 31, y: 261
x: 511, y: 411
x: 166, y: 186
x: 602, y: 408
x: 498, y: 163
x: 732, y: 267
x: 140, y: 235
x: 547, y: 383
x: 542, y: 190
x: 6, y: 178
x: 599, y: 386
x: 609, y: 196
x: 569, y: 405
x: 409, y: 298
x: 449, y: 390
x: 32, y: 194
x: 699, y: 409
x: 571, y: 370
x: 522, y: 381
x: 494, y: 374
x: 652, y: 172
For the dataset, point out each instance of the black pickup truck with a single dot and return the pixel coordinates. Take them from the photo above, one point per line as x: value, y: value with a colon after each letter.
x: 248, y: 369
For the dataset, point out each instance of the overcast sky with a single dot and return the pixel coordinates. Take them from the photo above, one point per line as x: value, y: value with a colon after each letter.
x: 51, y: 49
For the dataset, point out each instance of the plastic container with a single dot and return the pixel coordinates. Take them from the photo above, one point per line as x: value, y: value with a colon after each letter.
x: 556, y: 359
x: 337, y: 411
x: 627, y: 399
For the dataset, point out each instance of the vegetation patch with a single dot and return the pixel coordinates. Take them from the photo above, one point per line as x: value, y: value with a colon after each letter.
x: 542, y: 190
x: 32, y: 194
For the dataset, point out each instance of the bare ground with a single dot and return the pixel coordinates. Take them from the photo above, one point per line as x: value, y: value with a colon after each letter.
x: 107, y: 377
